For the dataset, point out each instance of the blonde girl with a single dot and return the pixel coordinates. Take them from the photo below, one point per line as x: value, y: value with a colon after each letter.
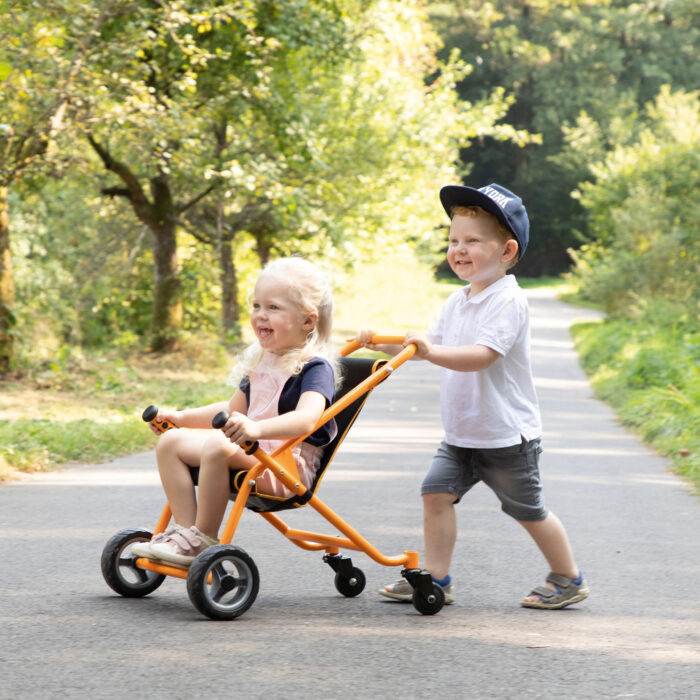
x: 286, y: 379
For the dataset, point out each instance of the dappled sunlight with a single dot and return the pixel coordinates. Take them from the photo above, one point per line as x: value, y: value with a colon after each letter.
x: 575, y: 630
x: 599, y: 451
x: 561, y: 384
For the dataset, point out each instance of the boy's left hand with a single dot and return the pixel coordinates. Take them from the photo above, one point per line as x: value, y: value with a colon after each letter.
x: 239, y: 428
x: 423, y: 345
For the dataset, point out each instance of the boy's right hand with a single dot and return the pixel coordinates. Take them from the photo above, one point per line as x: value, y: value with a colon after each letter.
x: 364, y: 338
x: 423, y: 345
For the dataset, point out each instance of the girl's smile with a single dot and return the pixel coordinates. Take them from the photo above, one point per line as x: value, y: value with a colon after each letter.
x: 278, y: 323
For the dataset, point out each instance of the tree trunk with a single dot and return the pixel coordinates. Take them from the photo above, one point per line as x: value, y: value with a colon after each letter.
x: 7, y: 287
x: 230, y: 311
x: 166, y: 319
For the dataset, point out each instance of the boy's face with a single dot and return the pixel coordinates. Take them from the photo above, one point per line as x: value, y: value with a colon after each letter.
x: 476, y: 253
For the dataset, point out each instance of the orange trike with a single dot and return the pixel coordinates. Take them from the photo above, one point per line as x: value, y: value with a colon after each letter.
x: 223, y: 581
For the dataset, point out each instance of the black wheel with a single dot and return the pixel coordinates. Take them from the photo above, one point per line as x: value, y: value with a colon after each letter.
x: 350, y: 586
x: 223, y: 582
x: 119, y: 570
x: 431, y: 604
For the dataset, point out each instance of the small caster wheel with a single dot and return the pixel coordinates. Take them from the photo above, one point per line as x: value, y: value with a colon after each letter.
x: 223, y: 582
x: 352, y: 585
x: 430, y: 604
x: 119, y: 568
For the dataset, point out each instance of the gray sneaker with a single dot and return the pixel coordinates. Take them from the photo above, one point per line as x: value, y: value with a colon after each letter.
x: 403, y: 592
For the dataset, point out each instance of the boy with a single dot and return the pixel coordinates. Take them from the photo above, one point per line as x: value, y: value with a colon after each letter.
x: 489, y: 406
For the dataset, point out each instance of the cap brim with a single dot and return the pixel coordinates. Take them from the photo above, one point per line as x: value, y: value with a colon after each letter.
x: 461, y: 196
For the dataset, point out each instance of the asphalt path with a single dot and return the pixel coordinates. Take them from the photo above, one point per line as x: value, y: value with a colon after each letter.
x: 633, y: 525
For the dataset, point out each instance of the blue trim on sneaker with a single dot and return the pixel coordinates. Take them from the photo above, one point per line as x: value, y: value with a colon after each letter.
x: 442, y: 582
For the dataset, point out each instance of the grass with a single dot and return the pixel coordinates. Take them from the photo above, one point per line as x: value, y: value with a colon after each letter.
x: 650, y: 375
x: 88, y: 408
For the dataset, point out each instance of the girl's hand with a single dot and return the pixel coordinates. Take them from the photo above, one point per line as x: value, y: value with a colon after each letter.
x: 423, y: 345
x: 172, y: 417
x: 239, y: 428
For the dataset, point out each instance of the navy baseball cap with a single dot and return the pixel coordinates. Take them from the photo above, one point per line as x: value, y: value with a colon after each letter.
x: 502, y: 203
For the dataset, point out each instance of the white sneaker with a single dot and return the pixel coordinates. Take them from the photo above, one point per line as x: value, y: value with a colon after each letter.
x: 182, y: 547
x: 143, y: 549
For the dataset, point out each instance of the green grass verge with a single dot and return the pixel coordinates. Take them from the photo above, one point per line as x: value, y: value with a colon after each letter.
x: 650, y: 375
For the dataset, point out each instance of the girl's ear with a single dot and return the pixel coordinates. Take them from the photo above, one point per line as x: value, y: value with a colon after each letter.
x: 310, y: 322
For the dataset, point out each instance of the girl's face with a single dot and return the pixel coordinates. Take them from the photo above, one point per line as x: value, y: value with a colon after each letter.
x: 476, y: 253
x: 278, y: 322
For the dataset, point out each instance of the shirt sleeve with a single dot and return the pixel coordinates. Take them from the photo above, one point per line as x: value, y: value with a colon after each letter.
x: 318, y: 376
x: 505, y: 324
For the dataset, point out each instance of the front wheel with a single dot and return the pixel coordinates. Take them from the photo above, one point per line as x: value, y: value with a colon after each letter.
x: 430, y: 604
x: 119, y: 569
x: 351, y: 585
x: 223, y: 582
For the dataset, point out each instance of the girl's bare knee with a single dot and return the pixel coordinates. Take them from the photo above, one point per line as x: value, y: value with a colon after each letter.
x: 218, y: 451
x: 168, y: 443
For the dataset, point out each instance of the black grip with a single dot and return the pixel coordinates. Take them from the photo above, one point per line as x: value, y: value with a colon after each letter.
x: 150, y: 413
x: 219, y: 420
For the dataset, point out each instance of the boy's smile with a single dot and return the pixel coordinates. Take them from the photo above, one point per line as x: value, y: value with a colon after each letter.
x: 476, y: 254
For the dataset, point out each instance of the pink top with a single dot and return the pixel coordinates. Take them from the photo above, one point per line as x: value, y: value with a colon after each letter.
x: 266, y: 383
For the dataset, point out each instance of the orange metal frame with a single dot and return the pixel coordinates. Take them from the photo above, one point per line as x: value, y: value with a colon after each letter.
x: 314, y: 541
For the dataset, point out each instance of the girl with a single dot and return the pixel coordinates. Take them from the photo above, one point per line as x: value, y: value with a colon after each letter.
x: 287, y: 379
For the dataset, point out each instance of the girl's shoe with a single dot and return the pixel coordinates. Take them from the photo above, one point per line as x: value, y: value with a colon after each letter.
x: 567, y: 592
x: 143, y: 549
x: 403, y: 592
x: 182, y: 547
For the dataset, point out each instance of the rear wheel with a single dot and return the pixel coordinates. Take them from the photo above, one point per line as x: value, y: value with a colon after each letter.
x: 119, y: 568
x: 223, y: 582
x: 351, y: 585
x: 431, y: 603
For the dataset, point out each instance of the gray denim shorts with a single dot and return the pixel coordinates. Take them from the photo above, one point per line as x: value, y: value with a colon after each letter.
x: 512, y: 473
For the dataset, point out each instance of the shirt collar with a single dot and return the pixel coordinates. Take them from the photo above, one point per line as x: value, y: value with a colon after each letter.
x: 503, y: 283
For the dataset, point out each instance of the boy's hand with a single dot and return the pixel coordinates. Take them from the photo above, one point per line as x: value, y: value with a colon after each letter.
x: 239, y: 428
x: 423, y: 345
x: 364, y: 338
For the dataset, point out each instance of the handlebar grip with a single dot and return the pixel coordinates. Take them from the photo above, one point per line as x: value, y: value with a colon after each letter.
x: 150, y: 415
x: 219, y: 420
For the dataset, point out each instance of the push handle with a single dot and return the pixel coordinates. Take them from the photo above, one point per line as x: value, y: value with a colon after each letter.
x: 219, y: 421
x: 377, y: 339
x: 150, y: 415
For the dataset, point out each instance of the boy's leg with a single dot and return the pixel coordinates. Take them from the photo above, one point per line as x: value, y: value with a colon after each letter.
x: 439, y: 532
x: 551, y: 538
x: 176, y: 451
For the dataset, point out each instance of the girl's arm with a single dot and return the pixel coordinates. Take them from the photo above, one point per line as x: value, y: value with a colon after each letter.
x: 300, y: 421
x: 202, y: 416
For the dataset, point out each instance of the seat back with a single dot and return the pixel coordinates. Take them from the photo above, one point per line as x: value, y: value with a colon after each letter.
x: 354, y: 371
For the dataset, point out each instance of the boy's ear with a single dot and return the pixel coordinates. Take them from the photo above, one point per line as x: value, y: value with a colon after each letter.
x: 510, y: 251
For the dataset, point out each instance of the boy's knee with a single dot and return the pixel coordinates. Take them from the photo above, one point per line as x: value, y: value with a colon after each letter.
x: 435, y: 502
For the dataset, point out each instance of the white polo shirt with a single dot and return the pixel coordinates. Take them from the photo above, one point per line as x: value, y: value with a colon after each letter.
x: 497, y: 406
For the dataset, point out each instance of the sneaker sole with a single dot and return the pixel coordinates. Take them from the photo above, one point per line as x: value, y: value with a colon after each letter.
x: 404, y: 598
x: 582, y: 595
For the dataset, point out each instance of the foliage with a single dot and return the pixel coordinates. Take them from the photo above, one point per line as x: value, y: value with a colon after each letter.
x: 650, y: 374
x: 579, y: 73
x: 644, y: 216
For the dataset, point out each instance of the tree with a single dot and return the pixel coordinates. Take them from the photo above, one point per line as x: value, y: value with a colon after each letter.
x: 43, y: 50
x: 559, y: 60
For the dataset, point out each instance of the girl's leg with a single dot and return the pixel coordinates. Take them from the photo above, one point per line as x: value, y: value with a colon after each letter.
x: 176, y: 451
x: 551, y: 538
x: 218, y: 456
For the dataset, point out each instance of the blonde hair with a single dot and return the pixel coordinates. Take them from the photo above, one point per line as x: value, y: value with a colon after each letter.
x: 310, y: 291
x: 499, y: 228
